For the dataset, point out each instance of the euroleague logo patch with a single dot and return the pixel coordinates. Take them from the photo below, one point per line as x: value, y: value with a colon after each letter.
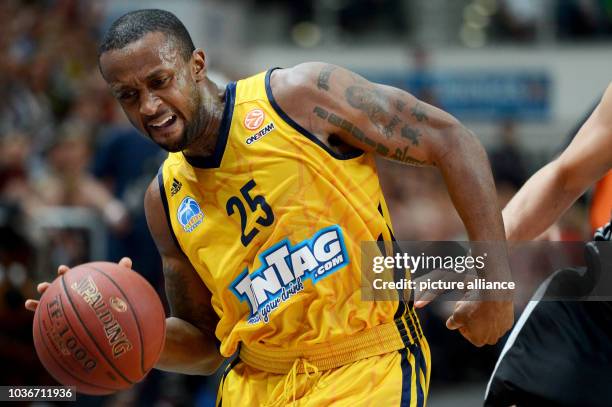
x: 189, y: 214
x: 254, y: 119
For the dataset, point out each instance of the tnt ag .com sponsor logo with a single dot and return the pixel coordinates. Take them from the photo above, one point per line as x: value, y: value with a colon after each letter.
x: 189, y: 214
x: 267, y: 129
x: 285, y: 268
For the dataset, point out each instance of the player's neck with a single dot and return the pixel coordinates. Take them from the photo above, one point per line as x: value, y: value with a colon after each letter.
x: 212, y: 114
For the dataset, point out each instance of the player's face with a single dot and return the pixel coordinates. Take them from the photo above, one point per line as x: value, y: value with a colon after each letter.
x: 156, y: 89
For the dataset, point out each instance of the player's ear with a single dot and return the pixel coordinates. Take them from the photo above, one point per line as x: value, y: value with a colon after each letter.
x: 198, y: 64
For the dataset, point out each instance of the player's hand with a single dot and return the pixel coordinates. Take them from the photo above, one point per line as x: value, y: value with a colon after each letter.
x: 481, y: 322
x: 31, y: 304
x: 424, y: 297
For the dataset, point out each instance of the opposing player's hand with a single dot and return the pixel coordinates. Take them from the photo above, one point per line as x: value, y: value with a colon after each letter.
x: 481, y: 322
x: 31, y: 304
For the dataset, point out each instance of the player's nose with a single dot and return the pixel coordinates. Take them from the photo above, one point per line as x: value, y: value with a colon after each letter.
x: 149, y: 104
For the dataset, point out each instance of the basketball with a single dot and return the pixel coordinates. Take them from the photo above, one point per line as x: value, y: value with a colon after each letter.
x: 99, y: 327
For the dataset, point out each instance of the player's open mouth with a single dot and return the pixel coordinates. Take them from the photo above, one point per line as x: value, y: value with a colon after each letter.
x: 163, y: 122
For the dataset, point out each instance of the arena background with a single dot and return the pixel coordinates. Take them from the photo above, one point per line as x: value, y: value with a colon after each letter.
x: 522, y: 74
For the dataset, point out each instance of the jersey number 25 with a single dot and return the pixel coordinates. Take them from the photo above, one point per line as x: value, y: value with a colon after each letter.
x: 252, y: 202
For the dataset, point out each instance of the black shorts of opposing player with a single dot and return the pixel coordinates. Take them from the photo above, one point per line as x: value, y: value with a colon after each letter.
x: 559, y: 352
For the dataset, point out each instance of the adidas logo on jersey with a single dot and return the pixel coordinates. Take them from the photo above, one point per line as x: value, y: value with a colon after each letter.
x: 176, y: 187
x: 267, y: 129
x: 285, y: 268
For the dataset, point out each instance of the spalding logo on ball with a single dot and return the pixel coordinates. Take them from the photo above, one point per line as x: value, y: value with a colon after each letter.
x: 99, y: 327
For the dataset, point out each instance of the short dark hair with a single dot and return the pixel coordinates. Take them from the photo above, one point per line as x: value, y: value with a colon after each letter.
x: 134, y: 25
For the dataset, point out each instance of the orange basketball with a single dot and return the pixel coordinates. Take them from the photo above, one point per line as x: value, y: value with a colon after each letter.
x: 99, y: 327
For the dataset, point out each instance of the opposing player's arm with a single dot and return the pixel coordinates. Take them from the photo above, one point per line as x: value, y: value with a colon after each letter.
x: 555, y: 187
x: 191, y: 346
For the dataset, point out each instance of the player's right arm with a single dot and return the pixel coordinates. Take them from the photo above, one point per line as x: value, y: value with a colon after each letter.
x: 191, y: 346
x: 555, y: 187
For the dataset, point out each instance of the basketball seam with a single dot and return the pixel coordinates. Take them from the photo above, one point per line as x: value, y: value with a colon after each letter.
x: 91, y: 336
x: 142, y: 368
x: 78, y: 379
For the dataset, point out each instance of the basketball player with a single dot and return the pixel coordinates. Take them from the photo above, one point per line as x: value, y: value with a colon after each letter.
x: 560, y: 353
x: 259, y: 211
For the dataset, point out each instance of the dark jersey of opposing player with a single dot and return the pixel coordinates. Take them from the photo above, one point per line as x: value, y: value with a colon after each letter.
x: 560, y: 352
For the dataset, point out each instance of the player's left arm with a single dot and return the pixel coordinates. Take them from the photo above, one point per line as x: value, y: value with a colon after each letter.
x: 392, y: 123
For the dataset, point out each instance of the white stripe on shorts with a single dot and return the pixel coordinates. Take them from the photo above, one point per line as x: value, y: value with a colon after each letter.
x: 533, y: 302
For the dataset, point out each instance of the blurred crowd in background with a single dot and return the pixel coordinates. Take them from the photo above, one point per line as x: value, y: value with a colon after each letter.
x: 73, y: 172
x: 471, y: 22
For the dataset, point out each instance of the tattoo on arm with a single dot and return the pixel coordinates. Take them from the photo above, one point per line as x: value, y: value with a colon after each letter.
x: 406, y: 158
x: 322, y: 113
x: 375, y: 104
x: 390, y: 128
x: 418, y: 111
x: 367, y: 101
x: 323, y: 80
x: 382, y: 149
x: 399, y: 105
x: 349, y: 127
x: 341, y: 123
x: 411, y: 134
x: 372, y: 103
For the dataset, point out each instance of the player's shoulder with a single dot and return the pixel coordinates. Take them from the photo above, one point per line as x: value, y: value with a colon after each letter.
x: 295, y: 86
x: 305, y: 77
x: 308, y: 82
x: 300, y: 74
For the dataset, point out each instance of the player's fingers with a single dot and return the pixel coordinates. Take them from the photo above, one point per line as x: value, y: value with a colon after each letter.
x: 478, y: 343
x: 425, y: 297
x: 452, y: 324
x: 126, y: 262
x: 472, y: 337
x: 31, y: 305
x: 421, y: 303
x: 42, y: 287
x: 492, y: 341
x: 62, y: 269
x: 495, y: 336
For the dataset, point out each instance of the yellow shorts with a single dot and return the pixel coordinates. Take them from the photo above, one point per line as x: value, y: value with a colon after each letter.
x: 399, y: 378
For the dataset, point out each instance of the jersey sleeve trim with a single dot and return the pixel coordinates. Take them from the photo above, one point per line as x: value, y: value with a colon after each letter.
x: 164, y: 198
x: 214, y: 161
x: 299, y: 128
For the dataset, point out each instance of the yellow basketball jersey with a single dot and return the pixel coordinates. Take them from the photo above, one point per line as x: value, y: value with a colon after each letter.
x: 273, y: 222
